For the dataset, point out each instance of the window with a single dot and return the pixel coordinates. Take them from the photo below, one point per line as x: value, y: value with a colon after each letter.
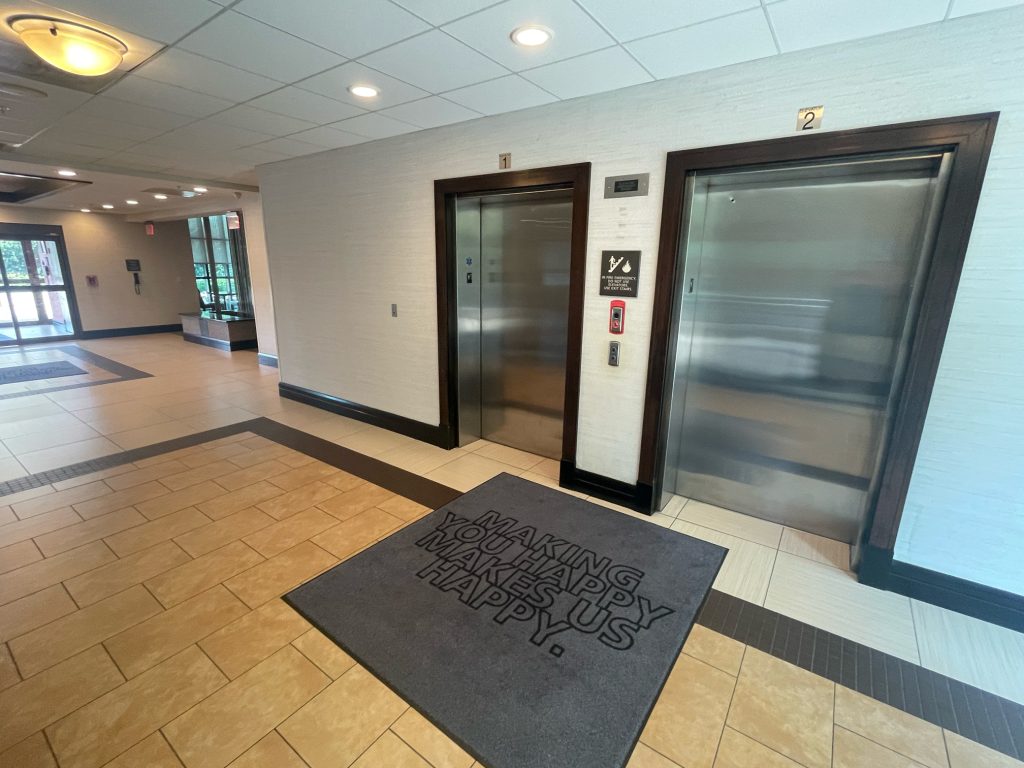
x: 219, y: 263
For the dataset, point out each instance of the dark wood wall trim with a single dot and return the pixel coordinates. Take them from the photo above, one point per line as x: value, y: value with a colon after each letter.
x: 635, y: 496
x: 266, y: 359
x: 970, y: 138
x: 428, y: 433
x: 879, y: 569
x: 221, y: 344
x: 575, y: 177
x: 138, y: 330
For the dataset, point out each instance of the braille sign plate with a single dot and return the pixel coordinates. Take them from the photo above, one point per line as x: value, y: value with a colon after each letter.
x: 620, y: 273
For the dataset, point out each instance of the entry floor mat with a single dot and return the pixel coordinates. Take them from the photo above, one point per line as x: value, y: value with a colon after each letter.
x: 15, y: 374
x: 534, y: 628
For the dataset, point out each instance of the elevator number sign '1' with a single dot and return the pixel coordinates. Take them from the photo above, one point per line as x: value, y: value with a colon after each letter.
x: 620, y: 273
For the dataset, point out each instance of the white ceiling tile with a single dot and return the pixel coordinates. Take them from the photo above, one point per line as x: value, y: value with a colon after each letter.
x: 150, y: 93
x: 157, y: 151
x: 431, y: 112
x: 163, y: 20
x: 256, y: 155
x: 335, y: 83
x: 197, y: 73
x: 965, y: 7
x: 435, y: 62
x: 374, y: 126
x: 801, y: 24
x: 328, y: 138
x: 252, y: 45
x: 639, y: 18
x: 67, y: 150
x: 139, y: 161
x: 742, y: 37
x: 207, y: 134
x: 288, y: 147
x: 305, y: 105
x: 126, y: 113
x: 503, y: 95
x: 489, y: 32
x: 98, y: 125
x: 591, y: 73
x: 347, y: 27
x: 438, y: 12
x: 74, y: 134
x: 245, y: 116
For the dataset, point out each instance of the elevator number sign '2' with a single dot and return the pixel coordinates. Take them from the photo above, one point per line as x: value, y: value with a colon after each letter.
x: 620, y: 273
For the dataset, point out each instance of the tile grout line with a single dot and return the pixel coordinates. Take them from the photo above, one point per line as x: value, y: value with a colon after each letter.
x: 732, y: 699
x: 328, y: 461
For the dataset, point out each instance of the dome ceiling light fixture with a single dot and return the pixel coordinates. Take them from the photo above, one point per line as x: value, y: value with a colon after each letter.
x: 363, y: 91
x: 69, y: 46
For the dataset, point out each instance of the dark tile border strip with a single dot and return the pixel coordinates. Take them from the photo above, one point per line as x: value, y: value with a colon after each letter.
x: 396, y: 480
x: 971, y: 712
x: 975, y: 714
x: 120, y: 370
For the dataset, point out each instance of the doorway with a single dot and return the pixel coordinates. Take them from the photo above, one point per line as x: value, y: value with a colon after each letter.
x: 512, y: 287
x: 804, y: 288
x: 36, y: 295
x: 800, y: 291
x: 511, y: 262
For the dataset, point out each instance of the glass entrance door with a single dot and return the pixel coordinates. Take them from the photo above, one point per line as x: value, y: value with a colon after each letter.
x: 36, y: 298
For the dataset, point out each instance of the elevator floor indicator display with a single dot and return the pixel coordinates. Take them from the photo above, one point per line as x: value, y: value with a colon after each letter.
x: 620, y: 273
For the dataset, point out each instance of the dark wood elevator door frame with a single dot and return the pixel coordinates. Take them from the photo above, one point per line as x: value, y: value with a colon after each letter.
x: 573, y: 177
x: 970, y: 139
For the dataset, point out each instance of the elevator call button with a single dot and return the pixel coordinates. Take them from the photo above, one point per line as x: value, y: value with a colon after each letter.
x: 617, y: 319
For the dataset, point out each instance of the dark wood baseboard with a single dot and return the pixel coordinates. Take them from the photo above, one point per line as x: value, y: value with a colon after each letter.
x: 439, y: 435
x: 139, y: 330
x: 637, y: 497
x: 226, y: 346
x: 879, y: 569
x: 268, y: 360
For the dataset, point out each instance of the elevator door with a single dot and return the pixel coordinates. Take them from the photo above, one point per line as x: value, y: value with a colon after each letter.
x: 800, y: 290
x: 513, y: 294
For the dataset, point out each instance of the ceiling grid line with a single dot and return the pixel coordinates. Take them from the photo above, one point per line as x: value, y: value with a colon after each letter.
x: 194, y: 107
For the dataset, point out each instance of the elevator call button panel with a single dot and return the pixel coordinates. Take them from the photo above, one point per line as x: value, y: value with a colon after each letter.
x: 617, y: 317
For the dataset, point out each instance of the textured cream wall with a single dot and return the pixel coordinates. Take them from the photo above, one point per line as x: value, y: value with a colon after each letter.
x: 350, y: 231
x: 259, y: 273
x: 98, y: 244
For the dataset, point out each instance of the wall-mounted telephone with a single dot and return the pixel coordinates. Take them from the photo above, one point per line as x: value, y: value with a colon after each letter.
x: 133, y: 266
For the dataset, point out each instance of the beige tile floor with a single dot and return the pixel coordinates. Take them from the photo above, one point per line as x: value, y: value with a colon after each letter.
x: 142, y: 625
x: 195, y: 388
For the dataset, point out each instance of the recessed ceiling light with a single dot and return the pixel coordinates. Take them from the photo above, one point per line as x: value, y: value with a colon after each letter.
x: 86, y: 210
x: 199, y: 189
x: 108, y: 206
x: 531, y: 35
x: 160, y: 197
x: 66, y: 172
x: 132, y: 202
x: 68, y: 46
x: 363, y: 91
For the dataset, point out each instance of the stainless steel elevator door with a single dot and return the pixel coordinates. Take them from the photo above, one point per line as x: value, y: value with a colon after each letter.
x: 522, y: 279
x: 805, y: 285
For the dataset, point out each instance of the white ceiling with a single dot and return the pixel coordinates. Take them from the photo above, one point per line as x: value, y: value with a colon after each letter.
x: 244, y: 82
x: 115, y: 188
